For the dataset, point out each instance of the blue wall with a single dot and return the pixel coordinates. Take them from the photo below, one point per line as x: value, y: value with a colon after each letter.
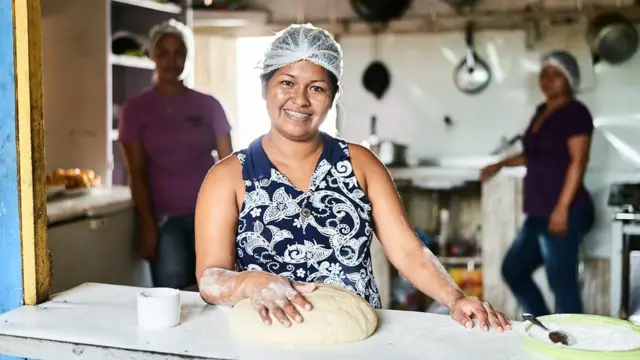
x: 10, y: 248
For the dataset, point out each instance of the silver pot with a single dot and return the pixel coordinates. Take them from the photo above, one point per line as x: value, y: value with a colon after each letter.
x: 391, y: 153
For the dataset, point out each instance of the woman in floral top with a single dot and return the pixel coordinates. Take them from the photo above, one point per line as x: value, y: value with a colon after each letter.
x: 299, y: 206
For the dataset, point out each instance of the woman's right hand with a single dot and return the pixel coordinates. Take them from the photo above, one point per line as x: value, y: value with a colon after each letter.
x: 273, y: 295
x: 489, y: 171
x: 148, y: 241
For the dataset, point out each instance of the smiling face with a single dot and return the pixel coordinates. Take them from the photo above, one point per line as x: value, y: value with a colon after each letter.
x: 553, y: 82
x: 298, y: 97
x: 169, y: 54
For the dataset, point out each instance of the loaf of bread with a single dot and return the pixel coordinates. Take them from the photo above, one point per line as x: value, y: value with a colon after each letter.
x: 73, y: 178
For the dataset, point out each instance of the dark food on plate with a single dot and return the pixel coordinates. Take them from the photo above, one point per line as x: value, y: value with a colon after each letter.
x: 73, y: 178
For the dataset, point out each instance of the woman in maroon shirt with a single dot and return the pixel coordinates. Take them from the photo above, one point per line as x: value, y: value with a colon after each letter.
x: 558, y: 207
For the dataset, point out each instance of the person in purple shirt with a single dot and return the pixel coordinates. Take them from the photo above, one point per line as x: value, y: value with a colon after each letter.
x: 168, y: 135
x: 559, y: 209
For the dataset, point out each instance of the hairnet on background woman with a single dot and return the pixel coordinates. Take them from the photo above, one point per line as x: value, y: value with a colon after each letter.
x: 559, y: 208
x: 566, y: 63
x: 299, y: 206
x: 168, y: 134
x: 179, y: 30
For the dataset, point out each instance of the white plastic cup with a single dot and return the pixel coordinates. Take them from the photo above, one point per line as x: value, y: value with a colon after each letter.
x: 158, y: 308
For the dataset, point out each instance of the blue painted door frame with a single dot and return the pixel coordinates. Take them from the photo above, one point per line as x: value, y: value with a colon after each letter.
x: 10, y: 246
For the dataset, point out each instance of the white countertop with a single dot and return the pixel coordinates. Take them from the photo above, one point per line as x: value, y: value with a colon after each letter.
x: 449, y: 172
x: 97, y: 201
x: 96, y: 321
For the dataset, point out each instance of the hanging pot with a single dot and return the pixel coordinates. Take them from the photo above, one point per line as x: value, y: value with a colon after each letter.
x: 380, y: 11
x: 376, y: 79
x: 462, y: 5
x: 612, y: 38
x: 472, y: 75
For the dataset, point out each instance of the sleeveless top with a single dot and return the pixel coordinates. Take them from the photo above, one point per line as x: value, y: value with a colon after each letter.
x: 322, y: 235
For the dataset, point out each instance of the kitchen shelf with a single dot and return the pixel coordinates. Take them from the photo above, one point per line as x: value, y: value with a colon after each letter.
x: 229, y: 18
x: 470, y: 262
x: 151, y: 4
x: 132, y: 62
x: 443, y: 173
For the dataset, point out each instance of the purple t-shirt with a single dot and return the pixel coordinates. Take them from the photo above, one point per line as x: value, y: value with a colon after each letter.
x: 548, y: 157
x: 178, y: 134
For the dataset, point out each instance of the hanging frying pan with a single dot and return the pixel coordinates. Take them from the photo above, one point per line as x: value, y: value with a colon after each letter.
x: 381, y: 11
x: 472, y: 75
x: 377, y: 78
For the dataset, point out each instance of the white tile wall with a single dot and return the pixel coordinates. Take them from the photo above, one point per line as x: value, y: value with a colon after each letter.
x: 422, y: 90
x: 422, y: 93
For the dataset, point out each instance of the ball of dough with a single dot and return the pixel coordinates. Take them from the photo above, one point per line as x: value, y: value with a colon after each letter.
x: 338, y: 317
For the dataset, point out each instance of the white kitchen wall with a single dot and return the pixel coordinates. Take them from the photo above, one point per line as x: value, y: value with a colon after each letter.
x: 421, y: 64
x: 616, y: 146
x: 422, y: 93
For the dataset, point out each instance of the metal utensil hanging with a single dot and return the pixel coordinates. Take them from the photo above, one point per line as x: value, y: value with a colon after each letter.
x: 376, y: 78
x: 472, y: 75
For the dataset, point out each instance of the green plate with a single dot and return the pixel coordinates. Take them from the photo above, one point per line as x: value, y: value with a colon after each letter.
x: 565, y: 353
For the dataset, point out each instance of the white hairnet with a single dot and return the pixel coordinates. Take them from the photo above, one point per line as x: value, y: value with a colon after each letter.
x: 567, y: 63
x: 303, y: 42
x: 176, y: 28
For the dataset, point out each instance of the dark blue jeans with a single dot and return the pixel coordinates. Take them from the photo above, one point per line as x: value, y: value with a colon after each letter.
x: 175, y: 262
x: 535, y: 246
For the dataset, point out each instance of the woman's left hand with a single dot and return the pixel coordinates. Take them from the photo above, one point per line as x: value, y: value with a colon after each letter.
x: 467, y: 308
x: 558, y: 221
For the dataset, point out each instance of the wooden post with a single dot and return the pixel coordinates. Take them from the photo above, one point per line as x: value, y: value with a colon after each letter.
x: 24, y: 262
x: 36, y: 265
x: 10, y: 253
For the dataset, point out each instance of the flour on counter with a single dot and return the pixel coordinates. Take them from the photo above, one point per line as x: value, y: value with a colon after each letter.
x: 592, y: 336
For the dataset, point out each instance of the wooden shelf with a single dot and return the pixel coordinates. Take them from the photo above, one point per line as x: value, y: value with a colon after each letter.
x: 151, y: 4
x: 229, y: 18
x: 132, y: 62
x: 470, y: 262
